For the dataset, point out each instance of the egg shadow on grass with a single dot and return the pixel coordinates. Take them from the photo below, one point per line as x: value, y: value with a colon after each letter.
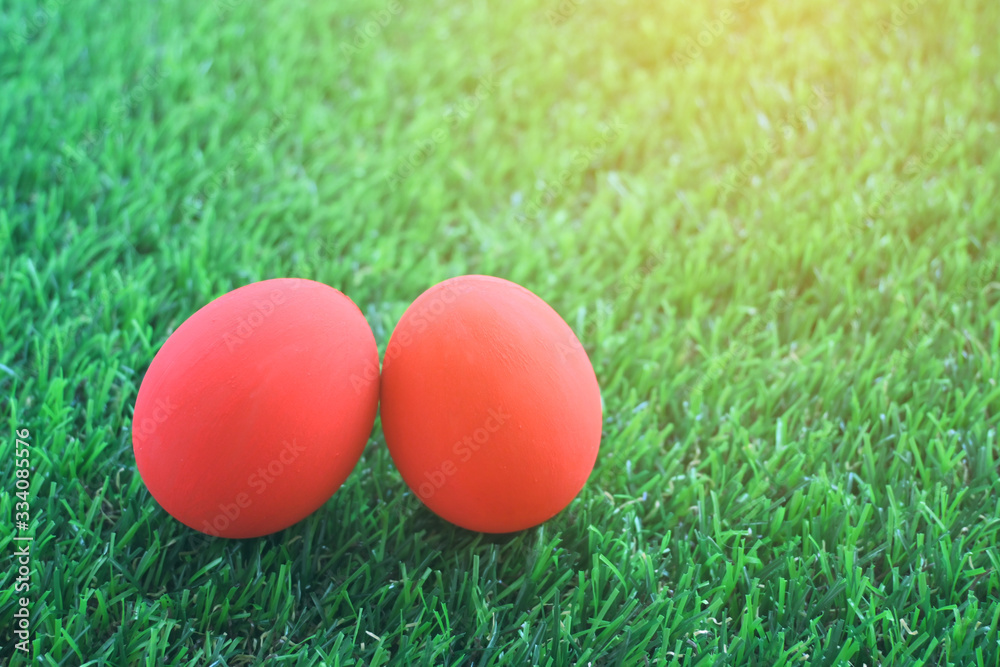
x: 341, y: 516
x: 425, y: 524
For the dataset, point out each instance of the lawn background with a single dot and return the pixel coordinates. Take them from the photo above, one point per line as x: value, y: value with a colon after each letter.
x: 790, y: 299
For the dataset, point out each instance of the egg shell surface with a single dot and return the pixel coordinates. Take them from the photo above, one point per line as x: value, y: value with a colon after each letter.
x: 490, y: 406
x: 256, y: 409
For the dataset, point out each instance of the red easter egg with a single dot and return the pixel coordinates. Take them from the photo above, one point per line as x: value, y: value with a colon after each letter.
x: 490, y: 406
x: 257, y: 407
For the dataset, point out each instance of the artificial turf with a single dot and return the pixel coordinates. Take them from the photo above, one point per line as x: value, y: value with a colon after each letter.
x: 774, y: 227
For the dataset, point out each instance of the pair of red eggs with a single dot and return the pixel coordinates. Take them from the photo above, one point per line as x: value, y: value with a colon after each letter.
x: 258, y: 406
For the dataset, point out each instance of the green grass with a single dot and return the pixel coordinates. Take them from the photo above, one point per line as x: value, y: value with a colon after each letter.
x: 799, y: 361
